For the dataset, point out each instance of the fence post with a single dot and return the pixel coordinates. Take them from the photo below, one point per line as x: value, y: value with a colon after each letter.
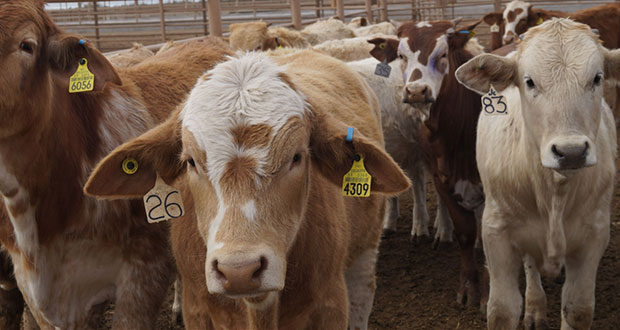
x: 204, y: 17
x: 296, y: 13
x: 96, y: 18
x: 162, y: 20
x: 498, y: 5
x: 368, y: 5
x: 215, y: 17
x: 383, y: 10
x: 340, y: 9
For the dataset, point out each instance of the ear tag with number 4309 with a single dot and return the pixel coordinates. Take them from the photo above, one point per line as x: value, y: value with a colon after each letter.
x: 162, y: 202
x: 493, y: 103
x: 356, y: 183
x: 82, y: 80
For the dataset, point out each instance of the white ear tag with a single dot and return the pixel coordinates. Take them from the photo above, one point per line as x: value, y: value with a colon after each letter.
x: 493, y: 103
x: 383, y: 69
x: 494, y: 28
x: 163, y: 202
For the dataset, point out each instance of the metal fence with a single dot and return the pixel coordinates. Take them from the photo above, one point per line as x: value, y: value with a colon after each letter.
x: 116, y: 24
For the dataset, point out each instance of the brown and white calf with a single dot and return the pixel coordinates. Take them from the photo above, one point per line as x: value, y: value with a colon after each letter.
x: 71, y: 252
x: 548, y: 168
x: 260, y: 150
x: 431, y: 52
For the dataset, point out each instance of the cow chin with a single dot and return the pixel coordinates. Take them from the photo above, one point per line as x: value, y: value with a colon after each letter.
x: 245, y: 272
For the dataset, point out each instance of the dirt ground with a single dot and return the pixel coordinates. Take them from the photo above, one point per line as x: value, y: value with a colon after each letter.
x: 416, y: 285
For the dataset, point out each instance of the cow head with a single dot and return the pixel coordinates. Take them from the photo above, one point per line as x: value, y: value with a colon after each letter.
x: 424, y: 48
x: 496, y: 28
x: 559, y: 69
x: 36, y: 61
x: 251, y: 147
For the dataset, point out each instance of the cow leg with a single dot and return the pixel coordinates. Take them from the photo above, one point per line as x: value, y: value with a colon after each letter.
x: 360, y: 279
x: 581, y: 267
x: 391, y: 216
x: 420, y: 216
x: 177, y: 312
x: 505, y: 301
x: 443, y: 224
x: 535, y: 299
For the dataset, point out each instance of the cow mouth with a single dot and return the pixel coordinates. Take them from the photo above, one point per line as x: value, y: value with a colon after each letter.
x: 418, y: 100
x: 255, y: 296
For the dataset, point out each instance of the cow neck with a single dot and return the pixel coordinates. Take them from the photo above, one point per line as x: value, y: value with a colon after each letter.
x: 46, y: 161
x: 452, y: 122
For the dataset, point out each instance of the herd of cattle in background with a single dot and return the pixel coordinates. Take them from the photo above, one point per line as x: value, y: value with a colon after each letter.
x: 256, y: 133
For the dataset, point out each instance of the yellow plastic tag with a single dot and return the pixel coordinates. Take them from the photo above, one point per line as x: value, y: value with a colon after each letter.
x: 540, y: 21
x: 163, y: 202
x: 472, y: 34
x: 82, y: 80
x: 356, y: 183
x: 493, y: 103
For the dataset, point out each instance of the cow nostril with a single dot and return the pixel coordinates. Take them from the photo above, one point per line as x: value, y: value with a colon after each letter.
x: 218, y: 272
x: 425, y: 90
x: 585, y: 150
x: 556, y: 152
x: 259, y: 272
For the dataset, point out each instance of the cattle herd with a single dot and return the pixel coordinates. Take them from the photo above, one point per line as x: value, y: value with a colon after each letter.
x: 277, y: 157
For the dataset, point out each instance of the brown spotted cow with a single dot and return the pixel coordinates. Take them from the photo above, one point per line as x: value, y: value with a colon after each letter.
x: 72, y: 253
x: 431, y: 52
x: 259, y: 151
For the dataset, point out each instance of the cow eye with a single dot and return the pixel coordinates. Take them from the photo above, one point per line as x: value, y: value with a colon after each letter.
x: 191, y: 162
x: 597, y: 79
x: 296, y: 158
x: 26, y: 46
x: 530, y: 82
x: 443, y: 55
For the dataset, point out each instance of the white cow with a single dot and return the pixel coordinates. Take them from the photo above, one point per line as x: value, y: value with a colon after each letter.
x: 547, y: 167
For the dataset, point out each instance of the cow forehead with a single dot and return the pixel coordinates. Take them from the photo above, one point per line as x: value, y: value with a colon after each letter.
x: 236, y: 111
x: 519, y: 8
x: 14, y: 14
x: 423, y: 37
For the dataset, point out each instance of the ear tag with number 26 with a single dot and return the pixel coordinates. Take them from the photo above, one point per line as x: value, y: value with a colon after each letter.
x: 162, y: 202
x: 356, y: 183
x: 82, y: 80
x: 493, y: 103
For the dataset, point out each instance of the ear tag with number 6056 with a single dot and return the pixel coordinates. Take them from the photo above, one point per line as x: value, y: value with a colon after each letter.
x: 493, y: 103
x: 162, y: 202
x: 356, y: 183
x: 82, y: 80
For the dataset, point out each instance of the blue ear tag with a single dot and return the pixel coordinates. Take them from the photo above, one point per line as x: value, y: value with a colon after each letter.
x: 350, y: 134
x: 82, y: 42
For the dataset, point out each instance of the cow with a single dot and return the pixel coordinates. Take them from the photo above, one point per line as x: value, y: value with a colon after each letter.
x: 71, y: 253
x: 431, y: 52
x: 547, y: 166
x: 259, y: 151
x: 130, y: 57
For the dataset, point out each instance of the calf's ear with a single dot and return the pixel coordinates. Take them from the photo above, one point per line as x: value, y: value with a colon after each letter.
x: 65, y: 52
x: 155, y: 152
x: 612, y: 64
x: 333, y: 155
x: 482, y: 71
x: 493, y: 18
x: 385, y: 49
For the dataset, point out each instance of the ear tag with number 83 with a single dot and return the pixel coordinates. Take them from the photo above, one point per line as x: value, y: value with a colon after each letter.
x: 162, y: 202
x: 493, y: 103
x: 356, y: 183
x: 82, y: 80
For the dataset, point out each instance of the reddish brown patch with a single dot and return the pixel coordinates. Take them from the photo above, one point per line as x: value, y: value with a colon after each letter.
x: 423, y: 39
x: 257, y: 135
x: 416, y: 75
x: 512, y: 15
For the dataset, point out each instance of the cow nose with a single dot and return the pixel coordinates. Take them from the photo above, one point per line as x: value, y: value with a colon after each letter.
x: 508, y: 37
x: 571, y: 156
x: 241, y: 278
x: 418, y: 94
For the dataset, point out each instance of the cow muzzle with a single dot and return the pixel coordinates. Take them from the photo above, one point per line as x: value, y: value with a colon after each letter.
x: 508, y: 37
x: 418, y: 94
x: 242, y: 274
x: 569, y: 153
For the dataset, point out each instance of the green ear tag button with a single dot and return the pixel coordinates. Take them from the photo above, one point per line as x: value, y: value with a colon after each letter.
x: 82, y: 80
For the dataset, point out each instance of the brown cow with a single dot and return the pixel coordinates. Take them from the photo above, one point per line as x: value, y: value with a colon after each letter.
x: 260, y: 149
x: 432, y: 51
x: 71, y: 252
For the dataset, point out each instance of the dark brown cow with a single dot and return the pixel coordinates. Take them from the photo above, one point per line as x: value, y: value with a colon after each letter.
x: 72, y: 253
x: 436, y: 50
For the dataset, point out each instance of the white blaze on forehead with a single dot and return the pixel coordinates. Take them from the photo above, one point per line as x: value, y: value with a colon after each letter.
x: 247, y: 90
x: 249, y: 210
x: 512, y: 6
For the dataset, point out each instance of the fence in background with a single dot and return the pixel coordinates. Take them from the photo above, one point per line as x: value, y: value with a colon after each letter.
x: 116, y: 24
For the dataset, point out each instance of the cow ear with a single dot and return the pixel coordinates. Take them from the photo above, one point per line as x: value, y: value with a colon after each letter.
x: 482, y: 71
x: 131, y: 169
x: 385, y: 49
x: 334, y: 155
x: 65, y: 52
x: 612, y: 64
x: 493, y: 18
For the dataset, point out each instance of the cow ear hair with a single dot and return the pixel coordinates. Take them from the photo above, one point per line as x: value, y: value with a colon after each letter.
x: 385, y: 49
x: 493, y: 18
x: 612, y: 64
x: 482, y: 71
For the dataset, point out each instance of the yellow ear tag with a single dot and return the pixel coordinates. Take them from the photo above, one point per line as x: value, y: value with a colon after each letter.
x: 130, y: 166
x: 82, y: 80
x: 356, y: 183
x: 163, y: 202
x: 472, y: 34
x: 540, y: 21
